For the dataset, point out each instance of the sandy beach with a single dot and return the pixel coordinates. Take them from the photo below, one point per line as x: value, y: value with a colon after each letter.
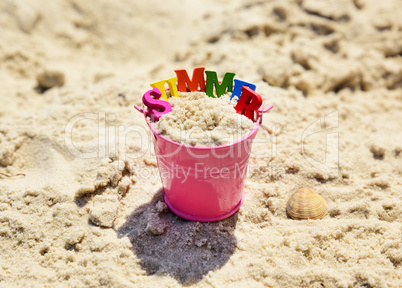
x: 81, y: 201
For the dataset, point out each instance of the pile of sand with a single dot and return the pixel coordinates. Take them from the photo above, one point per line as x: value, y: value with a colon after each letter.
x: 199, y: 120
x: 83, y: 205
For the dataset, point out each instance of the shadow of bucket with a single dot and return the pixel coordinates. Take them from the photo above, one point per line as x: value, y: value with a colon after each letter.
x: 203, y: 184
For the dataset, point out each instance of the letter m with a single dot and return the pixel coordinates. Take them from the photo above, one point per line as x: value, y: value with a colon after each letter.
x: 183, y: 81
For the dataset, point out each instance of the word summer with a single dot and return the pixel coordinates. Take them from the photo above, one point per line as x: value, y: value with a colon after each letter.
x: 156, y: 99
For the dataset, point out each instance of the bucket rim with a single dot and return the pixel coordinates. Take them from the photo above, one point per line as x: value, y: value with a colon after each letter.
x: 244, y: 138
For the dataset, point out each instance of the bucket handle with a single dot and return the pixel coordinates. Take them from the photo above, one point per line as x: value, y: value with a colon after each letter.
x: 262, y: 111
x: 140, y: 109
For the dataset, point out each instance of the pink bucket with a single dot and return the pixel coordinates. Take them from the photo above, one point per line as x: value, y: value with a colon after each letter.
x: 203, y: 184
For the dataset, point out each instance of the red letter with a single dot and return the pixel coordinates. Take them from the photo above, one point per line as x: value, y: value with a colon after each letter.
x: 249, y: 101
x: 198, y: 78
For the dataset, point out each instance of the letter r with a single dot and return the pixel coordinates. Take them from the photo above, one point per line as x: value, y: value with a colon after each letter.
x: 249, y: 101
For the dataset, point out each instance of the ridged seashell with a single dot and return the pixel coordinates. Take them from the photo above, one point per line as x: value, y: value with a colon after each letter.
x: 306, y: 204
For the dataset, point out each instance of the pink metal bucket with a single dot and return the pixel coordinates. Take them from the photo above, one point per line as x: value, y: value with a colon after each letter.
x: 203, y: 184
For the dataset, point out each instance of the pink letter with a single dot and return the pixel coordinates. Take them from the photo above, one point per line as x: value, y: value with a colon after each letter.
x: 160, y: 107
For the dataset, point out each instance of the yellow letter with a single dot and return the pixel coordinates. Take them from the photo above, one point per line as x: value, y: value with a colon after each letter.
x: 161, y: 86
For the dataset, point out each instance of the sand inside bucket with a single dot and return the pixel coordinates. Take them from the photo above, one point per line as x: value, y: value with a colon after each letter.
x: 199, y: 120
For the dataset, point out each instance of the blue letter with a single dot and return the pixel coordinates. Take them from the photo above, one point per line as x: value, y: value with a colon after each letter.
x: 238, y: 87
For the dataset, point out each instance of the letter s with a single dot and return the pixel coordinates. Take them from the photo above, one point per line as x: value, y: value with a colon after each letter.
x: 156, y: 107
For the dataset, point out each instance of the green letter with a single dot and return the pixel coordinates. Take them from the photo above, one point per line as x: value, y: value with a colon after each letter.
x: 212, y: 78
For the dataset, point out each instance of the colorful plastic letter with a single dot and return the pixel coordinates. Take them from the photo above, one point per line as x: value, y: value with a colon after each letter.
x: 238, y: 84
x: 198, y: 79
x: 156, y: 107
x: 248, y: 103
x: 212, y: 79
x: 161, y: 86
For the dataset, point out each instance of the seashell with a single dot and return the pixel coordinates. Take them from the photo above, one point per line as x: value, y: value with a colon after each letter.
x: 306, y: 204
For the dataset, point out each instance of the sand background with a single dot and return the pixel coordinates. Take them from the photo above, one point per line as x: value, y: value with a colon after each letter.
x: 330, y: 67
